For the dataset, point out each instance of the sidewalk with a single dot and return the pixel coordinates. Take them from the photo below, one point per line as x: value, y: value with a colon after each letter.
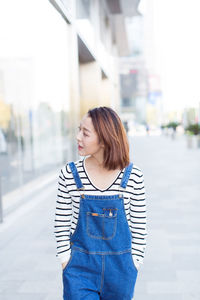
x: 171, y: 271
x: 29, y: 269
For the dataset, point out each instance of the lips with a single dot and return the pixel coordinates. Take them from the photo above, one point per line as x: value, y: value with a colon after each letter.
x: 80, y: 147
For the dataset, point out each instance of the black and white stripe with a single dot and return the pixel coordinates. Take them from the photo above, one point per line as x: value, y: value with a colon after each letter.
x: 67, y: 208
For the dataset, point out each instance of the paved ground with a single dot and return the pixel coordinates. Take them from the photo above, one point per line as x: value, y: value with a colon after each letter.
x: 171, y: 271
x: 29, y: 269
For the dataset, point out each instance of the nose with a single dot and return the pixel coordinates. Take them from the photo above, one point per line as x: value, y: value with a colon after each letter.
x: 78, y: 136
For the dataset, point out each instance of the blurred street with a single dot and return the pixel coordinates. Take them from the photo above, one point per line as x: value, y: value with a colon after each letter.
x: 171, y: 270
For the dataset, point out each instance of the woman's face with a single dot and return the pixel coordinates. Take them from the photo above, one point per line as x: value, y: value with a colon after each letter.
x: 87, y: 138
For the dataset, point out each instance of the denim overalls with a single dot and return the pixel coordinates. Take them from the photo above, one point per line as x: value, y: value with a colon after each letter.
x: 101, y: 264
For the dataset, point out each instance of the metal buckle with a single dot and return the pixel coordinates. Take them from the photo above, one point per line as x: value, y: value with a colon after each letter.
x: 81, y: 189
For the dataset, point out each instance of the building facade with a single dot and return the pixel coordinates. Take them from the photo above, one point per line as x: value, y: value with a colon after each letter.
x: 57, y: 60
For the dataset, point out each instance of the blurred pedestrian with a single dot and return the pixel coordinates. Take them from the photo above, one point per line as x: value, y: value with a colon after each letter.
x: 147, y: 128
x: 126, y: 126
x: 100, y: 219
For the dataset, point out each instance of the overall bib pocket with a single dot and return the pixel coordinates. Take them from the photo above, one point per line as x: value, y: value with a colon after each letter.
x: 102, y: 226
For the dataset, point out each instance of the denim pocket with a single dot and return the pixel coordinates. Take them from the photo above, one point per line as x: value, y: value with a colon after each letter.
x: 102, y: 226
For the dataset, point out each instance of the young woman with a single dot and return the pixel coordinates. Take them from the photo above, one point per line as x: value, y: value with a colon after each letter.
x: 100, y: 223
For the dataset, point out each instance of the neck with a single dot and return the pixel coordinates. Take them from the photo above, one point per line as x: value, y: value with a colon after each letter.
x: 97, y: 160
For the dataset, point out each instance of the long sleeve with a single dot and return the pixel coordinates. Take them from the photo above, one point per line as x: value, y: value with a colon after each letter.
x: 62, y: 222
x: 138, y: 218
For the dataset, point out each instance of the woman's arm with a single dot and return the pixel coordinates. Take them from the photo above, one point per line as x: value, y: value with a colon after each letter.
x: 62, y: 222
x: 138, y: 217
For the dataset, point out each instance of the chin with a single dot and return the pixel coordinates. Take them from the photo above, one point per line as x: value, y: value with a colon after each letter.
x: 81, y: 152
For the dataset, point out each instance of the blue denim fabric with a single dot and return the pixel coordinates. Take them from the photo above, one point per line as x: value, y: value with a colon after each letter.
x: 101, y: 264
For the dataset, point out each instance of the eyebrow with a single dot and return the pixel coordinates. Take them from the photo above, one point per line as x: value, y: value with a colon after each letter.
x: 85, y: 128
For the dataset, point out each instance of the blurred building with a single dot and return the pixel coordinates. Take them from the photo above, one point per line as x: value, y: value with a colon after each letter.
x: 57, y: 60
x: 154, y: 110
x: 154, y: 115
x: 133, y: 74
x: 189, y: 115
x: 134, y: 89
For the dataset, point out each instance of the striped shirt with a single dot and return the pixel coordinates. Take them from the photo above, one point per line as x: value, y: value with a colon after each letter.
x: 67, y: 208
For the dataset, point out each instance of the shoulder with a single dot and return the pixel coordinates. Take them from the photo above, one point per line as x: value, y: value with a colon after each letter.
x: 136, y: 170
x: 137, y: 174
x: 66, y: 170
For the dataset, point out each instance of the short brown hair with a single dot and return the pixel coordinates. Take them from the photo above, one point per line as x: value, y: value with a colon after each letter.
x: 112, y: 134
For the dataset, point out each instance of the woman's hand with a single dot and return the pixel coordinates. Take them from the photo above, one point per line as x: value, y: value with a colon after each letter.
x: 64, y: 265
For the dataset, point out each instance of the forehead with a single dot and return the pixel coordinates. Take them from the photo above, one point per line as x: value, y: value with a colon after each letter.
x: 87, y: 123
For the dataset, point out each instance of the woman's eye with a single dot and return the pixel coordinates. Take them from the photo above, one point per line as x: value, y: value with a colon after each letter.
x: 79, y: 128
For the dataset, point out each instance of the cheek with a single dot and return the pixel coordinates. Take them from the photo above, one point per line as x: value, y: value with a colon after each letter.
x: 91, y: 142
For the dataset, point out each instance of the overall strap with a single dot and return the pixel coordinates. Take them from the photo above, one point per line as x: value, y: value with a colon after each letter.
x: 76, y: 176
x: 126, y: 176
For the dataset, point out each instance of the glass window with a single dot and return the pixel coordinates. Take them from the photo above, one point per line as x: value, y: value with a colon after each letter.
x: 34, y: 90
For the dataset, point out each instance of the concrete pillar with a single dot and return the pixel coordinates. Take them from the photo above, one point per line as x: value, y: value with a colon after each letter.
x: 90, y: 86
x: 106, y: 92
x: 74, y: 89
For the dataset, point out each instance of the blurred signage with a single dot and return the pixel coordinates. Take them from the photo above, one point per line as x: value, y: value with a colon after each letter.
x: 154, y: 96
x: 133, y: 71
